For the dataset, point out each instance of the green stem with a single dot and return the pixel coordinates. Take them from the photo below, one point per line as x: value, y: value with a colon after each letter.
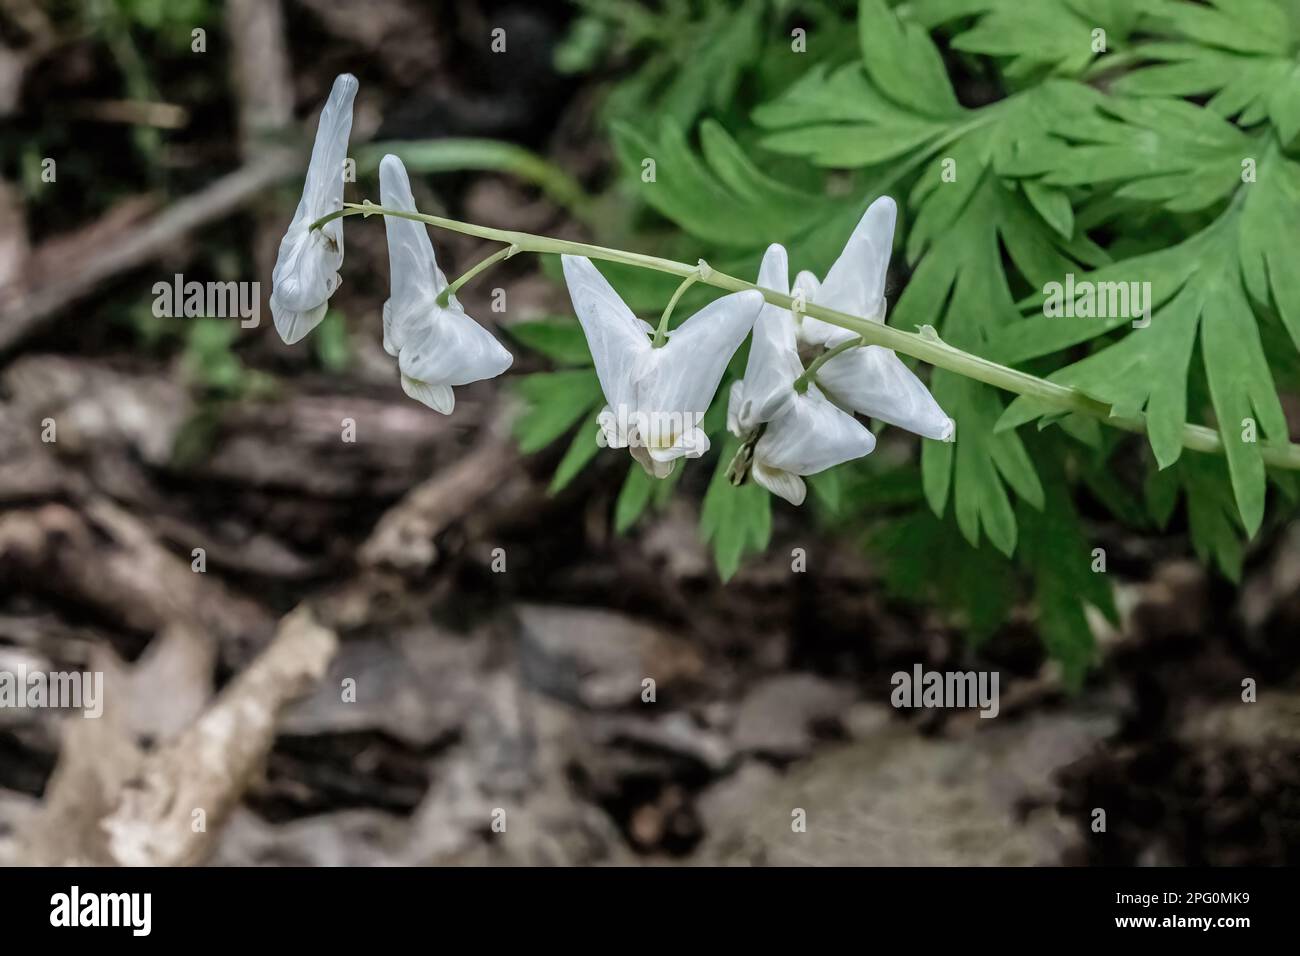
x: 661, y: 333
x: 801, y: 383
x: 445, y: 295
x: 928, y: 348
x: 331, y: 216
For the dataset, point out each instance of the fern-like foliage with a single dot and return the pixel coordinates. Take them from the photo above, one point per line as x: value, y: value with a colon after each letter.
x: 1144, y: 141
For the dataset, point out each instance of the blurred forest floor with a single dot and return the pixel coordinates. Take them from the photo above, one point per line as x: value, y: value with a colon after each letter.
x: 479, y: 691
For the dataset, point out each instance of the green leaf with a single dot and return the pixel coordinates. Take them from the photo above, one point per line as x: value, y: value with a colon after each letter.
x: 1148, y: 369
x: 331, y: 342
x: 1053, y: 205
x: 1211, y: 518
x: 1246, y: 26
x: 1047, y: 35
x: 723, y: 197
x: 633, y: 497
x: 923, y: 558
x: 960, y: 288
x: 1241, y: 55
x: 1167, y: 272
x: 559, y: 339
x: 838, y: 119
x: 1190, y: 158
x: 735, y: 520
x: 903, y: 63
x: 1268, y: 230
x: 828, y: 486
x: 695, y: 61
x: 1211, y: 508
x: 1241, y: 387
x: 581, y: 451
x: 1145, y: 370
x: 980, y: 461
x: 1061, y: 560
x: 555, y: 401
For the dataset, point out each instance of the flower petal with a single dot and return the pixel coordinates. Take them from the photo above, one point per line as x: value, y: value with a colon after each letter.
x: 618, y: 340
x: 306, y: 268
x: 734, y: 399
x: 414, y: 277
x: 774, y: 270
x: 390, y: 346
x: 435, y: 345
x: 773, y: 354
x: 307, y: 263
x: 684, y: 375
x: 874, y: 382
x: 324, y: 189
x: 653, y: 467
x: 438, y: 397
x: 806, y: 285
x: 450, y: 348
x: 811, y: 330
x: 614, y: 431
x: 780, y: 483
x: 856, y: 282
x: 691, y: 443
x: 293, y: 326
x: 812, y: 435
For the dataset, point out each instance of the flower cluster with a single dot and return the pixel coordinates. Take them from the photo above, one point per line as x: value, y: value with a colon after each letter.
x: 435, y: 343
x: 794, y: 424
x: 658, y: 384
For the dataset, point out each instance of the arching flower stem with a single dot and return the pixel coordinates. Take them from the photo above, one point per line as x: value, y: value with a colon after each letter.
x: 924, y: 345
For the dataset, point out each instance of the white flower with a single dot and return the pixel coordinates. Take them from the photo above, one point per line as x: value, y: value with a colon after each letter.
x: 871, y: 380
x: 773, y: 355
x: 306, y: 269
x: 787, y: 434
x: 656, y: 397
x: 807, y: 436
x: 436, y: 346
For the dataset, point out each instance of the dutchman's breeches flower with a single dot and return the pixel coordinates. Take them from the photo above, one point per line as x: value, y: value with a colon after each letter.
x: 787, y: 434
x: 307, y: 266
x: 794, y: 423
x: 870, y: 380
x: 656, y: 397
x: 436, y: 346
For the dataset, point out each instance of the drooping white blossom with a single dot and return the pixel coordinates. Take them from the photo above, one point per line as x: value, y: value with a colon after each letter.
x: 436, y: 346
x: 792, y: 434
x: 807, y: 436
x: 656, y: 397
x: 307, y: 266
x: 871, y: 380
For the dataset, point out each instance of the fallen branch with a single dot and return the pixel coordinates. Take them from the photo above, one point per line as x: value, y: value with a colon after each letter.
x: 30, y: 312
x: 403, y: 538
x: 111, y: 804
